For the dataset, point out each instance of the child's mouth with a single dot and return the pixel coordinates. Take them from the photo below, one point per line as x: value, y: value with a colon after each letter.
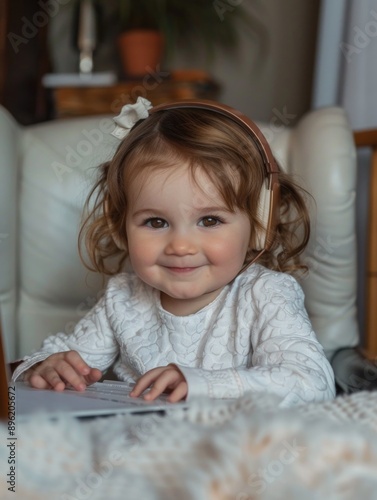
x: 181, y: 270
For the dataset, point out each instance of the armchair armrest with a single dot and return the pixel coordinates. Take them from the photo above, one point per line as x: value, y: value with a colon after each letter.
x: 354, y: 371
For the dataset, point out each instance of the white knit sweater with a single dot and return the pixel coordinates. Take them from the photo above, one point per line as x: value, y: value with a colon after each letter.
x: 255, y: 336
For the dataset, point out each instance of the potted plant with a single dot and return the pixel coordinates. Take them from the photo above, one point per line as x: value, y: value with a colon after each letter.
x: 141, y: 42
x: 158, y: 27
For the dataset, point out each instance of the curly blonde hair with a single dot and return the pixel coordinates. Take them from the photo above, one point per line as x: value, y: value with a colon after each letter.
x: 230, y: 158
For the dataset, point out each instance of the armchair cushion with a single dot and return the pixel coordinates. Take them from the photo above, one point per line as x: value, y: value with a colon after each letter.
x: 323, y: 154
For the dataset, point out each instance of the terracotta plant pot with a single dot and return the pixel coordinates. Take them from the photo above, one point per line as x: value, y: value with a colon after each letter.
x: 140, y: 50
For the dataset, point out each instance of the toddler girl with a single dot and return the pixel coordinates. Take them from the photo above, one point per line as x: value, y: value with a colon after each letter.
x: 204, y: 231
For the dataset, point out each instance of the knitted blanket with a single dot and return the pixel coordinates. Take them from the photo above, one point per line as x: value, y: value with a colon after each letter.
x: 243, y: 450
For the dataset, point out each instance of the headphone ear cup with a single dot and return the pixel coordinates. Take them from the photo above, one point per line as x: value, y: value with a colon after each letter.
x: 263, y: 212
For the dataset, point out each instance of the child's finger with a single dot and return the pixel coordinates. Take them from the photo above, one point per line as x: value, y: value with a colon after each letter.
x: 93, y: 376
x: 39, y: 382
x: 76, y: 361
x: 167, y: 379
x: 66, y: 373
x: 179, y: 393
x: 145, y: 381
x: 89, y: 375
x: 62, y: 369
x: 47, y: 379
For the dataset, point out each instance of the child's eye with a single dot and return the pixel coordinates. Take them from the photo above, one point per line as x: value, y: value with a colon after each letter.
x: 155, y: 223
x: 210, y: 221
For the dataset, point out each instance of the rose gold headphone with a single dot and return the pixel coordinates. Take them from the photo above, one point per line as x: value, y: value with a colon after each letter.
x: 269, y: 198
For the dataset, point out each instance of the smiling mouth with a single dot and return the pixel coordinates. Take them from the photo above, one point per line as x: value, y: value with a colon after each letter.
x: 181, y: 270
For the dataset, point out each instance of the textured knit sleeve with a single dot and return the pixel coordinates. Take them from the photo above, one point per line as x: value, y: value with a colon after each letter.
x: 92, y: 338
x: 286, y: 357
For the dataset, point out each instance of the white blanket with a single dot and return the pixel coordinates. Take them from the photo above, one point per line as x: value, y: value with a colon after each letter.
x: 240, y: 451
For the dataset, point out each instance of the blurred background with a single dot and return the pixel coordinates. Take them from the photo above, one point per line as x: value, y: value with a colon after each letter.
x: 256, y: 55
x: 273, y: 60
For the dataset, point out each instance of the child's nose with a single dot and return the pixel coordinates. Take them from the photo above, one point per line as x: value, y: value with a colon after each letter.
x: 181, y: 244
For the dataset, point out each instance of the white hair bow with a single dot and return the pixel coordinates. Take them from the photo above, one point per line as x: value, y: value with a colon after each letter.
x: 129, y: 115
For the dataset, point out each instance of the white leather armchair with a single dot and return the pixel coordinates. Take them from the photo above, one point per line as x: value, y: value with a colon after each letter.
x: 46, y: 171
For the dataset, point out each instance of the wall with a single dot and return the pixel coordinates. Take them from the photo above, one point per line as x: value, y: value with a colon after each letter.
x: 270, y: 74
x: 274, y: 72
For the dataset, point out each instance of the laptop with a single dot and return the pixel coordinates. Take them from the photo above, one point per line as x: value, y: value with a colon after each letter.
x: 20, y: 401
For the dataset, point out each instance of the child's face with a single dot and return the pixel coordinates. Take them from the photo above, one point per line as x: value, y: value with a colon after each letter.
x: 182, y: 240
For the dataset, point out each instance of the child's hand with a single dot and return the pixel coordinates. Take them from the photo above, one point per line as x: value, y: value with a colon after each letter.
x: 62, y: 369
x: 161, y: 379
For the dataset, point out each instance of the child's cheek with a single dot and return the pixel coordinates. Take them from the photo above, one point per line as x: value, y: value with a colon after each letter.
x: 224, y: 250
x: 143, y: 250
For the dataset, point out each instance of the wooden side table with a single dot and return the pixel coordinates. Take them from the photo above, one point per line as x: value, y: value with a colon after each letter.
x: 82, y: 101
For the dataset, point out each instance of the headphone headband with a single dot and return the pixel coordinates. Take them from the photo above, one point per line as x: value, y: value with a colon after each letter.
x: 242, y: 120
x: 271, y: 198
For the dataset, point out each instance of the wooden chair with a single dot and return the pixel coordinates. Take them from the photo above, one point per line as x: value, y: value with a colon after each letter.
x: 3, y: 41
x: 356, y: 368
x: 368, y: 138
